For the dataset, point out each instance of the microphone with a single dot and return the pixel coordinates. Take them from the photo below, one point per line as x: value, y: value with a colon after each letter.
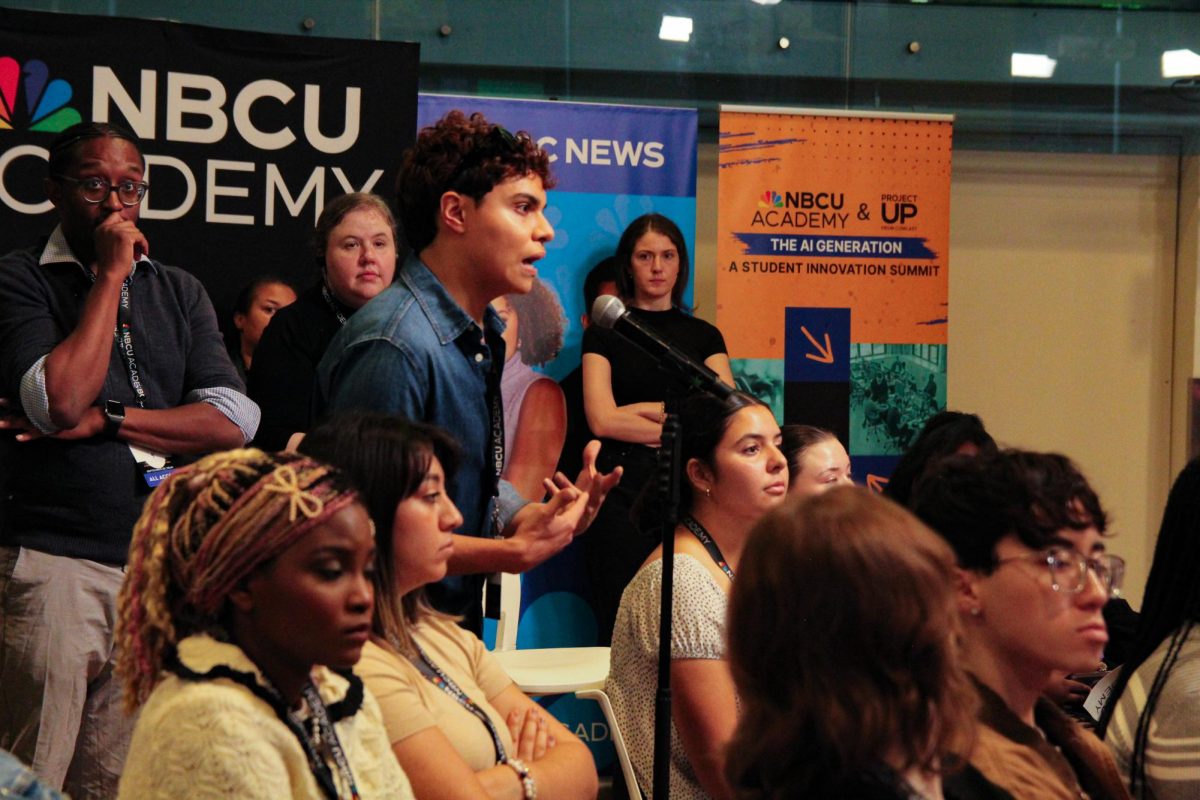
x: 610, y: 313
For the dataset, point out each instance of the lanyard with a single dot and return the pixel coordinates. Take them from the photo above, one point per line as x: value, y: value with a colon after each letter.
x: 496, y: 421
x: 123, y: 334
x: 337, y: 312
x: 440, y: 679
x: 710, y: 545
x: 327, y: 735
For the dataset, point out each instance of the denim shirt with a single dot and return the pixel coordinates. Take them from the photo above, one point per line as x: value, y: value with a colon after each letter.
x: 16, y: 780
x: 413, y: 351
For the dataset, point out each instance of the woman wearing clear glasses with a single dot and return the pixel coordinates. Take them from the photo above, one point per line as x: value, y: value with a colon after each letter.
x: 1028, y: 533
x: 1152, y: 719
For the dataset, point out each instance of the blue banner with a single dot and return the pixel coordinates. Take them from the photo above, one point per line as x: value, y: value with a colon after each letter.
x: 595, y: 148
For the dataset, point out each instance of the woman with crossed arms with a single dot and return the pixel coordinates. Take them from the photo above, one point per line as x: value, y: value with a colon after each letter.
x: 458, y: 725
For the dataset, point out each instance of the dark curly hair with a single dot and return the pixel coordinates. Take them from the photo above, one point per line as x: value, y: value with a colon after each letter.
x: 541, y: 321
x: 975, y: 501
x: 463, y: 154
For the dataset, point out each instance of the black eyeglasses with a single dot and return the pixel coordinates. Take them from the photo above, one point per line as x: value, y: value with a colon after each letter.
x: 499, y: 141
x: 97, y: 190
x: 1069, y: 567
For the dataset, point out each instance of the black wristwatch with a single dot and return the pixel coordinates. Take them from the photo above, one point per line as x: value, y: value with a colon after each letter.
x: 114, y: 415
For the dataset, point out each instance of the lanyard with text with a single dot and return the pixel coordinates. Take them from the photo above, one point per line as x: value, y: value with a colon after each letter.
x: 440, y: 679
x: 123, y: 333
x: 710, y: 545
x: 496, y: 418
x: 329, y: 737
x: 333, y: 306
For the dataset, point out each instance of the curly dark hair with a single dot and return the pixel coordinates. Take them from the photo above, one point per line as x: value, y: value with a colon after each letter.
x: 541, y: 321
x: 462, y: 154
x: 975, y: 501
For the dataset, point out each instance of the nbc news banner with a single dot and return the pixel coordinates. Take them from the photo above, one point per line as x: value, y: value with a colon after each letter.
x: 246, y: 135
x: 833, y: 237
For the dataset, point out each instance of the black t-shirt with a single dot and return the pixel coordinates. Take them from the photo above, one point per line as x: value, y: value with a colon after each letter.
x: 284, y: 368
x: 635, y: 375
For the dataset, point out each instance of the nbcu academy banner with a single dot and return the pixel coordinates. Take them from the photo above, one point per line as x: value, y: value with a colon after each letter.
x: 246, y: 135
x: 833, y: 270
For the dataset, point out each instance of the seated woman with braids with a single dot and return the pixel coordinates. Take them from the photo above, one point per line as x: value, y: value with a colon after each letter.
x: 246, y: 602
x: 458, y: 725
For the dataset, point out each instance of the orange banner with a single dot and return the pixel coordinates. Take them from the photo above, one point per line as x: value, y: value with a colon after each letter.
x: 833, y: 266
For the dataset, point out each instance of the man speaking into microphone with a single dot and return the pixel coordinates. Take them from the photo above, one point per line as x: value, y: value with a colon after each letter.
x: 625, y: 391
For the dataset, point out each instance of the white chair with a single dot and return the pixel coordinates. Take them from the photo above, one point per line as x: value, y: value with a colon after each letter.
x: 552, y: 670
x: 546, y: 670
x: 614, y: 733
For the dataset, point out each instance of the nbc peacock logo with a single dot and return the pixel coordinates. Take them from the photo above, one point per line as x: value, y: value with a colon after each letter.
x: 44, y: 101
x: 770, y: 199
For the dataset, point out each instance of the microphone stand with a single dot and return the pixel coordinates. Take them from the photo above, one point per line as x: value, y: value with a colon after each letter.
x: 668, y: 477
x: 684, y: 375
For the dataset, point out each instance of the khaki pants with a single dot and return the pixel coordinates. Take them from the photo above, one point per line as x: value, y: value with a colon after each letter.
x: 60, y: 701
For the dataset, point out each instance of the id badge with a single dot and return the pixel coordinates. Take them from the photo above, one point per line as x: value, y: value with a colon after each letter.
x: 154, y: 466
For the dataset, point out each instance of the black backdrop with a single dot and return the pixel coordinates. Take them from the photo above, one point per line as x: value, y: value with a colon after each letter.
x: 246, y: 134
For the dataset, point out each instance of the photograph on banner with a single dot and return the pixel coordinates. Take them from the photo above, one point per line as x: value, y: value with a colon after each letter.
x: 246, y: 135
x: 894, y: 389
x: 833, y: 263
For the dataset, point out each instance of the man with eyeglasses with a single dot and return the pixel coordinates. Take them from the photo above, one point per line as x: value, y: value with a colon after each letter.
x: 114, y: 370
x: 1034, y: 576
x: 472, y: 202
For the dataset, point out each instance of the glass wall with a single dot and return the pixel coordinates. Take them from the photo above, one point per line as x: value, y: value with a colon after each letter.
x: 1045, y: 76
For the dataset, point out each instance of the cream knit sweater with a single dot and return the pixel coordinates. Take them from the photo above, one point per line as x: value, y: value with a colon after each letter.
x: 217, y: 739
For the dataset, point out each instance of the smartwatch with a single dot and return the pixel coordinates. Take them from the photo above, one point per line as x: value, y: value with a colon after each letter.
x: 114, y: 415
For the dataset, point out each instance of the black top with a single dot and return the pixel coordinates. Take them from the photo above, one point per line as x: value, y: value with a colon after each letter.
x: 578, y: 432
x: 81, y: 498
x: 635, y: 375
x: 284, y: 368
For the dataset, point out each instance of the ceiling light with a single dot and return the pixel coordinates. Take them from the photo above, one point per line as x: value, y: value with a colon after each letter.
x: 1180, y: 64
x: 1032, y: 65
x: 675, y: 29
